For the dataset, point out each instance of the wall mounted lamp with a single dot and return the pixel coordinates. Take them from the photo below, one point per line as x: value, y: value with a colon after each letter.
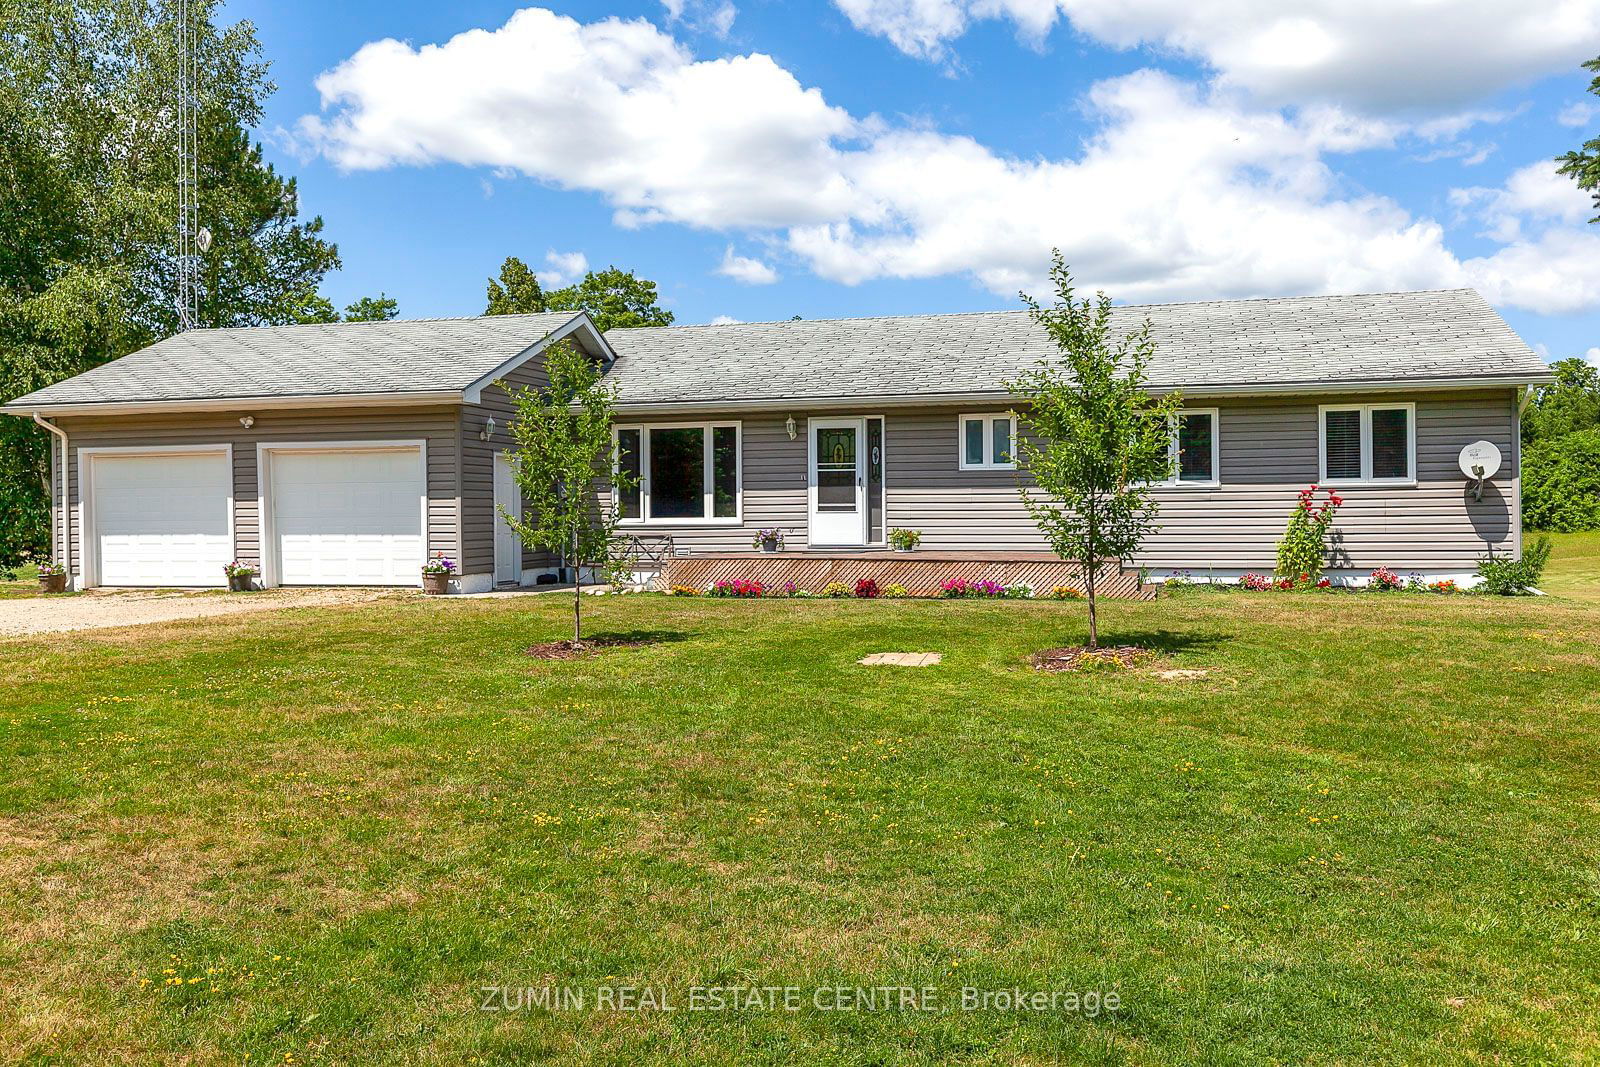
x: 488, y: 429
x: 788, y: 424
x: 248, y: 421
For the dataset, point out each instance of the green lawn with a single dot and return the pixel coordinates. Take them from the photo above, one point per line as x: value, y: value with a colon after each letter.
x: 1369, y: 834
x: 1574, y: 565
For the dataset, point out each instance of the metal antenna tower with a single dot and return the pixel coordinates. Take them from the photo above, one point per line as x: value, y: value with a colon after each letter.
x: 193, y: 239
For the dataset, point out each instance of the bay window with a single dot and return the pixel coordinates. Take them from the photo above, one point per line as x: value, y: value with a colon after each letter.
x: 682, y: 473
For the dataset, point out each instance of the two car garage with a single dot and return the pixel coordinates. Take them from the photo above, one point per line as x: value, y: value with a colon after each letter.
x: 327, y: 514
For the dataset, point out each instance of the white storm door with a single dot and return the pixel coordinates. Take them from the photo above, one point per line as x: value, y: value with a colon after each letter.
x: 507, y: 546
x: 348, y: 517
x: 837, y: 482
x: 162, y: 519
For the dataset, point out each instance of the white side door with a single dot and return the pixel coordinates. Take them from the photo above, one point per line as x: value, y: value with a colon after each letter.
x: 507, y: 546
x: 837, y: 481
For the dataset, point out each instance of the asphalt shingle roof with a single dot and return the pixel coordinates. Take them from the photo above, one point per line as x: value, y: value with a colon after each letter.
x: 1275, y: 343
x: 1445, y: 334
x: 398, y: 356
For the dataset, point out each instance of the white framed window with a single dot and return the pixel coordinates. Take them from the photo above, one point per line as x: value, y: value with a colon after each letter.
x: 1367, y: 444
x: 986, y: 442
x: 1196, y: 449
x: 685, y: 472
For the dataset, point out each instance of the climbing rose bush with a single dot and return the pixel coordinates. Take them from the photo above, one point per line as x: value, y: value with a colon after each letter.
x: 1304, y: 548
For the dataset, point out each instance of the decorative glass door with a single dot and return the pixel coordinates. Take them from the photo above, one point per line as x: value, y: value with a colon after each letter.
x: 838, y: 482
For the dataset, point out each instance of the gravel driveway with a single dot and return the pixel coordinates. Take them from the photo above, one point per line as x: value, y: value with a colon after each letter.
x: 93, y: 610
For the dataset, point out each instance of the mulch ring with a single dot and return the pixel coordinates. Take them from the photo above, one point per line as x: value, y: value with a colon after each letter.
x: 567, y: 649
x: 1082, y: 658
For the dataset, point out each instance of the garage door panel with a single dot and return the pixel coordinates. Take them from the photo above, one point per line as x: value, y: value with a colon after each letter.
x: 162, y: 519
x: 348, y: 518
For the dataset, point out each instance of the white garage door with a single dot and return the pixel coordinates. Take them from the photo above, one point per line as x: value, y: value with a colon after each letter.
x: 161, y: 519
x: 348, y: 518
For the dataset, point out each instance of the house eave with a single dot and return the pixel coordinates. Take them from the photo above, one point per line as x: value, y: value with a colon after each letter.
x: 430, y: 398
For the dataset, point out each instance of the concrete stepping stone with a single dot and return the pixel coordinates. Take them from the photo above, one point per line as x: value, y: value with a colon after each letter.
x: 901, y: 659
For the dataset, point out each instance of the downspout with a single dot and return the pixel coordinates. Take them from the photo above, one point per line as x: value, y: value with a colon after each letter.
x: 66, y: 504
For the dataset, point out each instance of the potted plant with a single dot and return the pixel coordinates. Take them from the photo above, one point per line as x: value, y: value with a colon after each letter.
x: 768, y: 540
x: 240, y: 576
x: 52, y: 578
x: 436, y: 575
x: 904, y: 540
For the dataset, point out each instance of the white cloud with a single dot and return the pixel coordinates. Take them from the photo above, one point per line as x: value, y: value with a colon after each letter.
x: 737, y: 144
x: 1535, y: 193
x: 562, y: 268
x: 612, y: 106
x: 1382, y: 55
x: 702, y: 16
x: 724, y: 320
x: 1593, y: 356
x: 1578, y: 114
x: 746, y: 270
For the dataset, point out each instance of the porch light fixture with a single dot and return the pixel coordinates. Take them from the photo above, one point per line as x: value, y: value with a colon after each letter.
x: 488, y: 429
x: 248, y: 421
x: 788, y: 424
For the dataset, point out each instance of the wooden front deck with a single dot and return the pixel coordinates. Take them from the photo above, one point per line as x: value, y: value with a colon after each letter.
x: 922, y: 572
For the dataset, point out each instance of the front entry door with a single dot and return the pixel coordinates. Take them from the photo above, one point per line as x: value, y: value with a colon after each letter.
x: 838, y: 481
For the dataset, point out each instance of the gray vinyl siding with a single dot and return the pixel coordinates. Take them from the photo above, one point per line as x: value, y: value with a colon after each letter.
x: 477, y: 471
x: 1268, y: 453
x: 437, y: 426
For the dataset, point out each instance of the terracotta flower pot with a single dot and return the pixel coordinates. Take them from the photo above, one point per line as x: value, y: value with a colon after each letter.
x: 240, y: 583
x: 435, y: 584
x: 52, y: 583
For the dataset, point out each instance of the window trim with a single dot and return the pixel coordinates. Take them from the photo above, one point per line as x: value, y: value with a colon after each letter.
x: 1172, y: 481
x: 988, y: 418
x: 708, y: 477
x: 1366, y: 410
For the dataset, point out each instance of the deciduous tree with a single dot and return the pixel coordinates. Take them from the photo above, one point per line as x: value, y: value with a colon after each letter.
x: 1093, y: 440
x: 564, y: 458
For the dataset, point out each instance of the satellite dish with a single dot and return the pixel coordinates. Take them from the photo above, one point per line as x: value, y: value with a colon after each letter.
x: 1480, y: 460
x: 203, y: 239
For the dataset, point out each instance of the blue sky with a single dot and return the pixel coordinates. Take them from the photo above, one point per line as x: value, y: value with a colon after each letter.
x: 761, y: 160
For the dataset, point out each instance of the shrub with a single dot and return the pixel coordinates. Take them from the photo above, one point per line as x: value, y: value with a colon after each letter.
x: 1505, y: 576
x: 867, y: 589
x: 1304, y: 548
x: 742, y: 588
x: 894, y: 590
x: 957, y: 588
x: 904, y: 539
x: 836, y: 589
x: 1066, y: 592
x: 1383, y: 580
x: 1561, y: 482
